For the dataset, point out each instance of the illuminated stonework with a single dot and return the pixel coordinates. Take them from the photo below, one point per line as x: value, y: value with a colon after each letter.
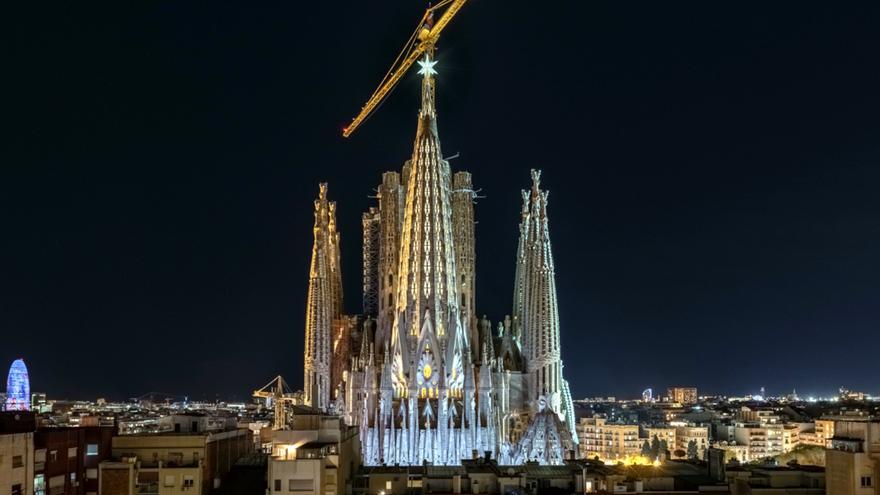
x: 324, y: 305
x: 427, y: 381
x: 535, y: 301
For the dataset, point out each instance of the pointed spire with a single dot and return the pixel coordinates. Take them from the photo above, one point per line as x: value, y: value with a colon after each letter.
x: 427, y: 71
x: 319, y: 308
x: 427, y: 290
x: 540, y: 317
x: 536, y: 182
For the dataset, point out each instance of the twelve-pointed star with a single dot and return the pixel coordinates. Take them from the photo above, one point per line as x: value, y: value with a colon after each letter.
x: 427, y: 66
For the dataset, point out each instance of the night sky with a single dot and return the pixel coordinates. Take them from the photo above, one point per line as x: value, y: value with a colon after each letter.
x: 713, y: 168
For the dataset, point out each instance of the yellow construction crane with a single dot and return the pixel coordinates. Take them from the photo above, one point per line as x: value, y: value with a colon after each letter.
x: 279, y: 393
x: 421, y: 42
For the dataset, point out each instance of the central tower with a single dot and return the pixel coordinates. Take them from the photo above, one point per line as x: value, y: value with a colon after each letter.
x: 418, y: 374
x: 427, y: 327
x: 414, y: 390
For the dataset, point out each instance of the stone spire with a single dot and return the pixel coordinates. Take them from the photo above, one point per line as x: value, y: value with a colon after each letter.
x: 540, y: 318
x: 334, y: 258
x: 463, y: 233
x: 321, y: 305
x: 519, y: 281
x: 427, y: 293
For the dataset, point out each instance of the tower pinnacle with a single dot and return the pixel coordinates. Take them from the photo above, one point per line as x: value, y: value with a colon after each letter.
x: 427, y: 66
x: 324, y: 302
x: 536, y: 294
x: 427, y: 114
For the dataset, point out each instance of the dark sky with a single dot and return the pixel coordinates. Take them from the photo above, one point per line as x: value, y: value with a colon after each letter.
x: 713, y: 169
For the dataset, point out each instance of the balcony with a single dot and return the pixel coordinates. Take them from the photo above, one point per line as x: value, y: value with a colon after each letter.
x: 847, y: 445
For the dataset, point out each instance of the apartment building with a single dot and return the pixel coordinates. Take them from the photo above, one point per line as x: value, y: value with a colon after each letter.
x: 682, y: 395
x: 17, y: 452
x: 172, y: 463
x: 608, y: 441
x: 852, y: 461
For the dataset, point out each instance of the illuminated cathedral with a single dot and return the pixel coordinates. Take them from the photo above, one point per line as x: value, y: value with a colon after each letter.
x: 418, y: 373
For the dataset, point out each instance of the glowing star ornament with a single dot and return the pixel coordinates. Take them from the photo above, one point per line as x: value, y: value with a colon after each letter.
x: 427, y: 66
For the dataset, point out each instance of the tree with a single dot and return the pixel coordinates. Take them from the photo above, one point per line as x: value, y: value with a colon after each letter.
x: 664, y: 447
x: 646, y: 448
x: 692, y: 450
x: 655, y: 447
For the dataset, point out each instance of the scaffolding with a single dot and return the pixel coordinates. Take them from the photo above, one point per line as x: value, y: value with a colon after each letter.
x: 371, y: 262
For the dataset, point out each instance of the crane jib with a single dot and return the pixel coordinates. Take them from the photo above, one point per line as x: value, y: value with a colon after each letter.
x: 426, y: 44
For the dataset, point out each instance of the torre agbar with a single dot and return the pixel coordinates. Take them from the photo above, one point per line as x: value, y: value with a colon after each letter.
x: 418, y: 373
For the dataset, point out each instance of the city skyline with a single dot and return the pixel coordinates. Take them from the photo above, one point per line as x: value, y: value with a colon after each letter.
x: 708, y: 229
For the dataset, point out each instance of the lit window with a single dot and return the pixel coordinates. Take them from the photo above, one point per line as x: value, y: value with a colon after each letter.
x: 71, y: 452
x: 92, y: 449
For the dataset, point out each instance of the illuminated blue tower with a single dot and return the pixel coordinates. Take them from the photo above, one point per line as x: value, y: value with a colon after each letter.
x: 18, y: 387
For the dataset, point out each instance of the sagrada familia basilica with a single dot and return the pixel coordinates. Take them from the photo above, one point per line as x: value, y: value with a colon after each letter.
x: 420, y: 376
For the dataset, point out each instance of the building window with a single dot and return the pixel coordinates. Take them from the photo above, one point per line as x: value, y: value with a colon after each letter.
x: 16, y: 489
x: 56, y: 484
x: 71, y: 452
x: 40, y: 484
x: 53, y: 455
x: 277, y: 485
x: 170, y: 480
x: 92, y: 473
x: 17, y: 462
x: 92, y: 449
x: 188, y: 481
x: 866, y: 482
x: 299, y: 486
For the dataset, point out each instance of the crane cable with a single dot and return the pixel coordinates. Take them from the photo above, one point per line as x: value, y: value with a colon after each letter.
x: 404, y: 52
x: 407, y: 49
